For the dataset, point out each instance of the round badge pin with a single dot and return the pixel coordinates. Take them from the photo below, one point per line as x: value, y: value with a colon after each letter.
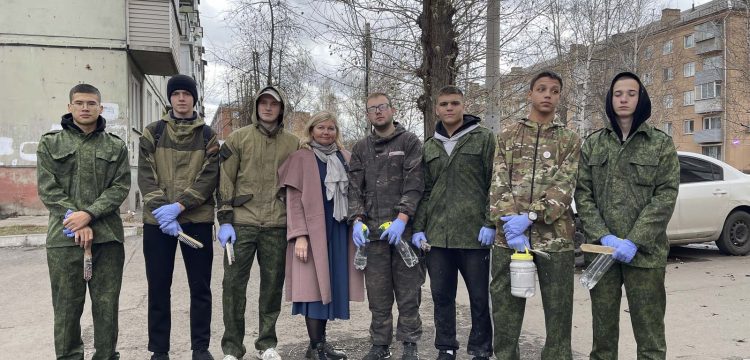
x: 546, y: 154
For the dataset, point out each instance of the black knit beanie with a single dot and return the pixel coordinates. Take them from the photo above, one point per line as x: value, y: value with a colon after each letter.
x: 182, y: 82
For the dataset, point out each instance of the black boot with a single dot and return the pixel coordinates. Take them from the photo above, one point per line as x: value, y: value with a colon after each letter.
x: 331, y: 352
x: 319, y: 353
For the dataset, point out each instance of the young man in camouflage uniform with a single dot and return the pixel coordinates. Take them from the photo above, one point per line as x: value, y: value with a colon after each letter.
x: 84, y: 171
x: 628, y: 180
x: 385, y: 184
x: 251, y: 203
x: 178, y: 171
x: 535, y: 171
x: 454, y: 218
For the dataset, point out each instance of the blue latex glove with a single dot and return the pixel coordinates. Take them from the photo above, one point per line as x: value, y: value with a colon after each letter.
x: 66, y: 231
x: 515, y: 224
x: 518, y: 242
x: 394, y: 232
x: 625, y: 251
x: 226, y: 233
x: 417, y: 239
x: 171, y: 228
x: 167, y: 213
x: 610, y: 240
x: 486, y: 236
x: 358, y: 236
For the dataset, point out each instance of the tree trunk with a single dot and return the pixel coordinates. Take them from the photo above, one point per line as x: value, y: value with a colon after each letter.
x: 439, y: 53
x: 492, y: 67
x: 270, y: 48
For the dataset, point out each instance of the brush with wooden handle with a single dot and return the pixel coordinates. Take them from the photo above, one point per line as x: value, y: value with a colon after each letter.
x: 88, y: 263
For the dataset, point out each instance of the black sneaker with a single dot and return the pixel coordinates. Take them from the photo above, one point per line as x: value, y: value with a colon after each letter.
x: 160, y: 356
x: 378, y: 352
x: 202, y: 355
x: 445, y: 355
x: 410, y: 351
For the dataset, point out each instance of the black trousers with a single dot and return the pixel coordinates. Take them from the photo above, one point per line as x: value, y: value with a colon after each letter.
x: 159, y: 251
x: 474, y: 265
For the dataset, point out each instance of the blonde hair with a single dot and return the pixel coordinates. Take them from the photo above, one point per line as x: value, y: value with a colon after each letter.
x: 317, y: 119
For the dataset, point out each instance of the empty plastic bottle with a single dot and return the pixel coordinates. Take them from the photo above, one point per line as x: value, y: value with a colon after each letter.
x: 596, y: 270
x: 522, y: 275
x: 406, y: 252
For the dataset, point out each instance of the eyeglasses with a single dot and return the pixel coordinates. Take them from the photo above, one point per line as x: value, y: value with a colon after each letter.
x: 378, y: 108
x: 83, y: 104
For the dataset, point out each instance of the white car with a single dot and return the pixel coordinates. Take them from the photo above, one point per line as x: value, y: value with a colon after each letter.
x: 713, y: 205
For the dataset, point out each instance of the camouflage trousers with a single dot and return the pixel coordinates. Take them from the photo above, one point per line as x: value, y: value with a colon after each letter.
x: 647, y: 302
x: 270, y: 245
x: 387, y: 278
x: 69, y: 294
x: 556, y: 285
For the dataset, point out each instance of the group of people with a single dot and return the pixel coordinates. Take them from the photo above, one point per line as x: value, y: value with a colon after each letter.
x: 464, y: 202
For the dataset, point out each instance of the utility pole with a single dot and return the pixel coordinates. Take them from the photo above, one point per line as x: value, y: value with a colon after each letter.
x: 368, y: 59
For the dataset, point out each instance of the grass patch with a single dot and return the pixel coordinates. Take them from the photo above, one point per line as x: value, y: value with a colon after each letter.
x: 22, y: 230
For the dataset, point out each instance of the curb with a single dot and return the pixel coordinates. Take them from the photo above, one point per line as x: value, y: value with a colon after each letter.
x: 41, y: 239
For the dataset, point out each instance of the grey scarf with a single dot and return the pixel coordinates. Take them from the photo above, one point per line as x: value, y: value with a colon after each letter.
x: 336, y: 181
x: 450, y: 143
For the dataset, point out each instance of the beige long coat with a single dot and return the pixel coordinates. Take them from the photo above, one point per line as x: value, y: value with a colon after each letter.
x: 310, y: 281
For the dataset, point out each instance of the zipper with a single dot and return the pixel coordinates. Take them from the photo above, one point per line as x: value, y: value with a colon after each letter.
x: 533, y: 178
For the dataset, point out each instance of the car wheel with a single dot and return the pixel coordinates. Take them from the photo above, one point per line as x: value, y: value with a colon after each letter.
x: 735, y: 237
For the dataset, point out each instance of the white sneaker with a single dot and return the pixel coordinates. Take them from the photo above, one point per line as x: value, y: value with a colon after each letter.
x: 229, y: 357
x: 268, y: 354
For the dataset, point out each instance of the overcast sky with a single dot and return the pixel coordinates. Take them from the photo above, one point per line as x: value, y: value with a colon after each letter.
x: 217, y: 35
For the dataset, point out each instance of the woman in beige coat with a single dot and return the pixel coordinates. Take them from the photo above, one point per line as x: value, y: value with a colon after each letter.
x: 320, y: 276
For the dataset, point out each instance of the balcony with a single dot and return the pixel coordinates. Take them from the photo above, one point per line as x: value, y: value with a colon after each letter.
x: 708, y: 46
x: 708, y: 106
x: 708, y: 136
x: 154, y: 36
x: 709, y: 75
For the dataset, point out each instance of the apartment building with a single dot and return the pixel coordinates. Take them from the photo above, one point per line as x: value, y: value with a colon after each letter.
x: 126, y: 48
x: 694, y: 63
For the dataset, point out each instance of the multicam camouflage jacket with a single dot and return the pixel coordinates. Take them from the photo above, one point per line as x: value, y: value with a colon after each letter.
x: 455, y: 204
x: 385, y: 179
x: 629, y: 190
x: 83, y: 172
x: 535, y: 170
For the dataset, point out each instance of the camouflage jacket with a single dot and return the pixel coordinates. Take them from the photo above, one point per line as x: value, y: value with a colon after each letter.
x: 385, y: 178
x: 248, y: 191
x: 83, y: 172
x: 455, y: 204
x: 535, y: 170
x: 629, y: 190
x: 182, y: 167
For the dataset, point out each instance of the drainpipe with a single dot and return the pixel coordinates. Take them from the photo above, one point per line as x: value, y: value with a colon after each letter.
x: 724, y: 124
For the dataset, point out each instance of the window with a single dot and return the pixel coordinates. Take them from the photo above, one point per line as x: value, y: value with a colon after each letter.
x: 668, y: 128
x: 667, y: 47
x: 647, y: 79
x: 697, y: 170
x: 687, y: 127
x: 712, y: 63
x: 688, y: 98
x: 712, y: 122
x: 668, y: 74
x: 689, y: 41
x: 713, y: 151
x: 668, y: 101
x: 708, y: 90
x: 649, y: 52
x: 688, y: 69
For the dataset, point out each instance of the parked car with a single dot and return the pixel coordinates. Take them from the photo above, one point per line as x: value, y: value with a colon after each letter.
x: 713, y: 205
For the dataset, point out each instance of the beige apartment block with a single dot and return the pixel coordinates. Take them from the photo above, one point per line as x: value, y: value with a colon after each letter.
x: 695, y: 65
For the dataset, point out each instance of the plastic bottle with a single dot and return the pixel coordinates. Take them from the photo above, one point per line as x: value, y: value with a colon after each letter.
x: 522, y: 275
x: 360, y: 256
x: 596, y: 270
x: 406, y: 252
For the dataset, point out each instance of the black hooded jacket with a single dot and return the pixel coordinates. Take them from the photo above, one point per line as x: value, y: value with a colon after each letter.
x: 642, y: 109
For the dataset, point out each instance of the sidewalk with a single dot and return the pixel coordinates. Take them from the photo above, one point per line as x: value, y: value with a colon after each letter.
x: 130, y: 221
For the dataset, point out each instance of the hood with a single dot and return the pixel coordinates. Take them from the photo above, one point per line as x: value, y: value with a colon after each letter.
x: 469, y: 120
x: 400, y: 129
x: 254, y: 117
x: 183, y: 128
x: 68, y: 123
x: 642, y: 109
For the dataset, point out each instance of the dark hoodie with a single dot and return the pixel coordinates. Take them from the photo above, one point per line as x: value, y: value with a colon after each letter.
x: 469, y: 120
x: 68, y: 123
x: 642, y: 109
